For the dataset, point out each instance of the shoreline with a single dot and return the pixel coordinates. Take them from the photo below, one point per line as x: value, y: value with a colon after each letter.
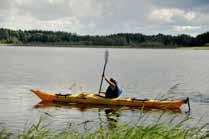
x: 204, y: 47
x: 194, y: 48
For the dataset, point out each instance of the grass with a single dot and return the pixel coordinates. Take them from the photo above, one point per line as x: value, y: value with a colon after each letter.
x: 121, y: 131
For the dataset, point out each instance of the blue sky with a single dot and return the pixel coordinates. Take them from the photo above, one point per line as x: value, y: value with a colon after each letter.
x: 101, y: 17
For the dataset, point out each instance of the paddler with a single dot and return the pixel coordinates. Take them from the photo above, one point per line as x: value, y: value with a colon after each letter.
x: 113, y: 90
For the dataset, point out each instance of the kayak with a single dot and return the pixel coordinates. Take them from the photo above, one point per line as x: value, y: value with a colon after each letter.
x: 90, y: 98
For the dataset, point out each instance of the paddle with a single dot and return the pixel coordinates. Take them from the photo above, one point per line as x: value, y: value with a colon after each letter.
x: 106, y: 59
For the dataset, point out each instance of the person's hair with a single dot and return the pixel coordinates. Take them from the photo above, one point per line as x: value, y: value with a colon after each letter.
x: 113, y: 80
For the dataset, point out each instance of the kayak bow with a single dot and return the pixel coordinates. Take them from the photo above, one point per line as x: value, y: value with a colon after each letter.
x: 90, y: 98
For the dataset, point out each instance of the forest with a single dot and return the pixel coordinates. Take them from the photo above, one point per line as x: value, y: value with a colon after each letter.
x: 135, y: 40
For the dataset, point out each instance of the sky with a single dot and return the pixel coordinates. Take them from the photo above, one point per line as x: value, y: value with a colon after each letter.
x: 103, y: 17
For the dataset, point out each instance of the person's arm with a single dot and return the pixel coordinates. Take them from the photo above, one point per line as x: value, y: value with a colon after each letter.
x: 110, y: 83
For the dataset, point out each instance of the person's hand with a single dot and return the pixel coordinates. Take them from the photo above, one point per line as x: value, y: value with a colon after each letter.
x: 105, y: 78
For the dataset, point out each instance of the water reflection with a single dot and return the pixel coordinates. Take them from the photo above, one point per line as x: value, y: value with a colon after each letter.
x: 108, y: 109
x: 108, y: 117
x: 112, y: 116
x: 81, y: 107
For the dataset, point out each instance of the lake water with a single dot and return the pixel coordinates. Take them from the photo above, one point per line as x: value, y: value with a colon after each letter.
x: 142, y: 73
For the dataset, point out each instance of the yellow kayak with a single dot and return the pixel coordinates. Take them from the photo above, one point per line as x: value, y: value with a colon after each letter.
x: 90, y: 98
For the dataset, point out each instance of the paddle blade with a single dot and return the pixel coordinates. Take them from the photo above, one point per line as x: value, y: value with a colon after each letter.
x: 106, y: 56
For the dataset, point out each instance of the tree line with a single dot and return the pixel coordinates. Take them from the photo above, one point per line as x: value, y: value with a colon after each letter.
x: 120, y: 39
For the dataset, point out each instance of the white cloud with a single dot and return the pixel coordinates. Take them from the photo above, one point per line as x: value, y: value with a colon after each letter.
x: 107, y: 16
x: 170, y: 15
x: 86, y: 8
x: 70, y: 24
x: 55, y: 9
x: 202, y: 19
x: 186, y: 28
x: 5, y: 4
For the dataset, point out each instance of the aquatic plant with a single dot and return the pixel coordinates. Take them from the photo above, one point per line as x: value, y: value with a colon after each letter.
x: 158, y: 130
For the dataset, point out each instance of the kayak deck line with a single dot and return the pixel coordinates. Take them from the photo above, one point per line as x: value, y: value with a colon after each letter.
x: 90, y: 98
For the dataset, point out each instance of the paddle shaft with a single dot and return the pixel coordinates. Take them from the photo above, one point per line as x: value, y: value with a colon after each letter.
x: 106, y: 59
x: 102, y: 76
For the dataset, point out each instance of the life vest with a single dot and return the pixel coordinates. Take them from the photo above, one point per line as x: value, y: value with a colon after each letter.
x: 113, y: 93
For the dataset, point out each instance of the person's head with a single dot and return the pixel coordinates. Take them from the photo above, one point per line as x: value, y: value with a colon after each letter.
x: 113, y: 80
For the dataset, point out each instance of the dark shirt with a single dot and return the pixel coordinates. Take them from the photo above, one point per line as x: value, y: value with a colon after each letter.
x: 113, y: 93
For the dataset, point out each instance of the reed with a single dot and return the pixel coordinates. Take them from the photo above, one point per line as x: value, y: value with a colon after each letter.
x: 158, y: 130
